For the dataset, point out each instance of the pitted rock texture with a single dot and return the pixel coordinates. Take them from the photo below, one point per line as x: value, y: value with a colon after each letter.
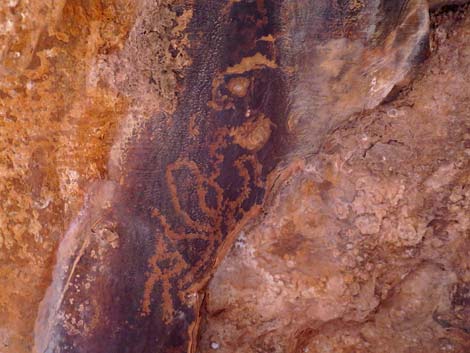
x: 365, y: 246
x: 56, y: 129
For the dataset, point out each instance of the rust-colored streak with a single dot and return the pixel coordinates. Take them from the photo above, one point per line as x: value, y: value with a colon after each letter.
x: 255, y: 62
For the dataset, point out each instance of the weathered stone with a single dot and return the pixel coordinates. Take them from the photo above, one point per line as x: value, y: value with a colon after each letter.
x: 363, y: 246
x: 142, y: 141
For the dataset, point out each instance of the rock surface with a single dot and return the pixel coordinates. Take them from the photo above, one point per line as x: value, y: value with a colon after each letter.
x: 323, y: 146
x: 364, y: 247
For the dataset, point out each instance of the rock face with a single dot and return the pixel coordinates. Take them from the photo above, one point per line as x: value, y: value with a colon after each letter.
x: 309, y: 158
x: 364, y: 247
x: 57, y: 124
